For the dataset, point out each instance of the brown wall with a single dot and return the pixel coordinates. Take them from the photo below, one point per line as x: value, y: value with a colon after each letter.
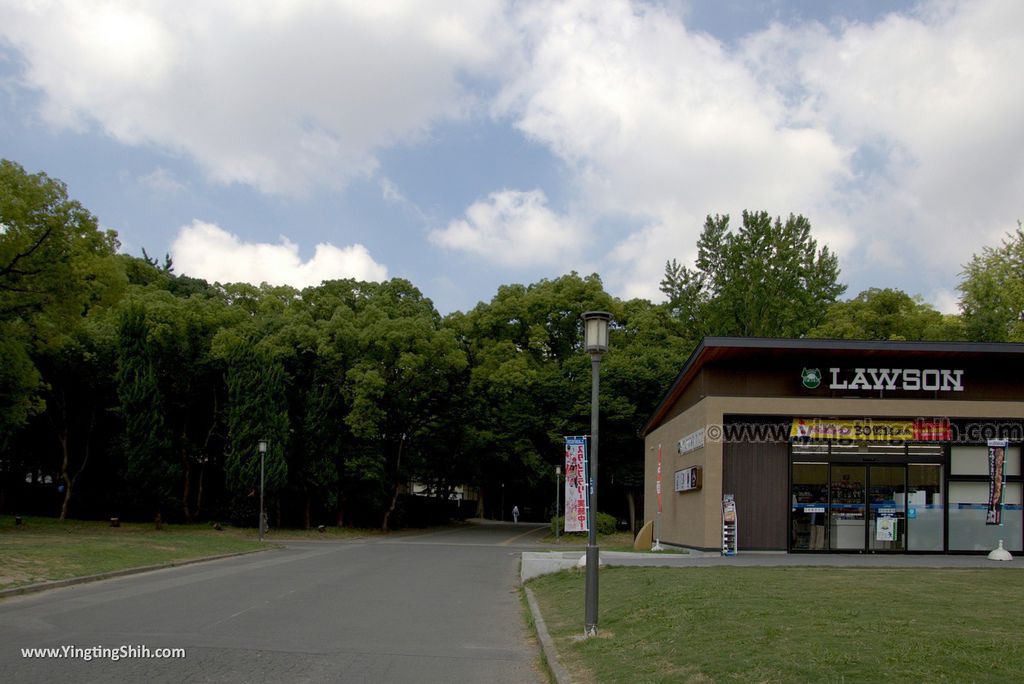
x: 758, y: 476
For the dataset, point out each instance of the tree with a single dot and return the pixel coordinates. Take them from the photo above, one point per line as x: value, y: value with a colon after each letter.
x: 992, y: 291
x: 529, y: 383
x: 887, y: 314
x: 769, y: 279
x: 257, y: 409
x: 151, y: 470
x: 55, y: 266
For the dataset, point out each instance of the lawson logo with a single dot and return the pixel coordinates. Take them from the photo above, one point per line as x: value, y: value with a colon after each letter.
x: 906, y: 379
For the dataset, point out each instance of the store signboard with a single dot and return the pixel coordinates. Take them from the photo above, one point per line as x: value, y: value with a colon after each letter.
x: 996, y: 481
x: 885, y: 379
x: 691, y: 442
x: 688, y: 479
x: 868, y: 430
x: 577, y: 499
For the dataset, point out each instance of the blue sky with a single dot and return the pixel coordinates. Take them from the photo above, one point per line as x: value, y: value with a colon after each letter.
x: 466, y: 145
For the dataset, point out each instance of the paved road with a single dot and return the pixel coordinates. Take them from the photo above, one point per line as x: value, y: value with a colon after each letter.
x: 434, y: 607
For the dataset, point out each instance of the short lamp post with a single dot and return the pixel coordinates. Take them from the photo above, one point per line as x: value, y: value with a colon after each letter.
x: 263, y: 452
x: 596, y: 343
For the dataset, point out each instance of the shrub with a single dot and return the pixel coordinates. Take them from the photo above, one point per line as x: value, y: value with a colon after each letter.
x: 605, y: 525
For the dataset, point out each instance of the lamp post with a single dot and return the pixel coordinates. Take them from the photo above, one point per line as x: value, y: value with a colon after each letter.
x: 558, y: 502
x: 263, y: 452
x: 596, y: 343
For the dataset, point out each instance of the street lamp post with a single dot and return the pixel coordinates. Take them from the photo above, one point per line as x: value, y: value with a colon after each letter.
x: 263, y: 452
x: 558, y: 502
x: 596, y: 343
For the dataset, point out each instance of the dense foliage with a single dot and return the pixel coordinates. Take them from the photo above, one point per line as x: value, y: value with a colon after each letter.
x: 129, y: 390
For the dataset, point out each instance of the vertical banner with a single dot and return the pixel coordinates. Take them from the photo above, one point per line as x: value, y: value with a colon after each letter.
x: 996, y: 467
x: 659, y: 479
x: 577, y: 493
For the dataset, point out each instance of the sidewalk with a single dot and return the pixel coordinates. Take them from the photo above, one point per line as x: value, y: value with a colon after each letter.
x: 535, y: 564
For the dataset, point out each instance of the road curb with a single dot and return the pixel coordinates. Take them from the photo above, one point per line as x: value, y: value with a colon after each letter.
x: 72, y: 581
x: 546, y: 643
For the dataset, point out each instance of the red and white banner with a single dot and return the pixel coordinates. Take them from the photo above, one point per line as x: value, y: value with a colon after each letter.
x: 659, y: 478
x: 577, y: 500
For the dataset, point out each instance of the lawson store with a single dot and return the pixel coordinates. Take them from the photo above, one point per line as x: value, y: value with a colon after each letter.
x: 841, y: 446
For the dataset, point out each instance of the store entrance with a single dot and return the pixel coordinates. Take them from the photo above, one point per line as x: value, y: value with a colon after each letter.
x: 840, y: 507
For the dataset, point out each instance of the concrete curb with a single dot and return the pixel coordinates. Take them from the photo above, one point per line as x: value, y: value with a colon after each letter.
x: 72, y: 581
x: 546, y: 643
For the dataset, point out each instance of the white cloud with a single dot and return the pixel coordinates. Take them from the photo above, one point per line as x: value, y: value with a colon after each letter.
x: 899, y: 139
x: 162, y: 182
x: 512, y: 228
x: 204, y: 250
x: 932, y: 101
x: 663, y: 125
x: 277, y: 94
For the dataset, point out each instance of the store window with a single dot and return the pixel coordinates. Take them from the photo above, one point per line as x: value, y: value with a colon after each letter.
x: 968, y: 504
x: 924, y: 507
x: 973, y: 460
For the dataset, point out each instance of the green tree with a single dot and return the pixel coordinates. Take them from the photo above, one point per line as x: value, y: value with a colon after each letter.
x: 887, y: 314
x: 150, y: 465
x: 55, y: 267
x: 769, y: 279
x: 529, y: 384
x: 399, y: 385
x: 992, y: 291
x: 257, y: 409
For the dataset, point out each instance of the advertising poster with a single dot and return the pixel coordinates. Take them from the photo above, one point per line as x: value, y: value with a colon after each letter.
x: 886, y: 530
x: 576, y: 491
x: 996, y: 463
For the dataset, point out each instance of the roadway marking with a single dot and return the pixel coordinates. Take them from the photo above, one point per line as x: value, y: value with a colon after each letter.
x: 519, y: 536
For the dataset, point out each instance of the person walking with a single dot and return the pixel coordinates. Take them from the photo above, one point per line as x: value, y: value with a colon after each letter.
x: 515, y: 514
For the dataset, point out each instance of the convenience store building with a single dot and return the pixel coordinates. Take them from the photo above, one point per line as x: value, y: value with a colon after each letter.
x: 839, y: 446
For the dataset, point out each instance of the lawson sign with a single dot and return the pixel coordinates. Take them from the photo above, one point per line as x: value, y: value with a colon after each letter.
x: 879, y: 379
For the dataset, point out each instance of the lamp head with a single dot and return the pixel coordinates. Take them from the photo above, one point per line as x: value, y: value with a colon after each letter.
x: 262, y: 444
x: 595, y: 328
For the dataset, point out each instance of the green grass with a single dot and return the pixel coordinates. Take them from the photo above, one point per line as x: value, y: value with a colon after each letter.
x: 790, y: 625
x: 43, y: 549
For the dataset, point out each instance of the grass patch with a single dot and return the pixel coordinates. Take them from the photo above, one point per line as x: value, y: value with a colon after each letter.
x: 43, y: 549
x: 790, y: 624
x: 620, y: 541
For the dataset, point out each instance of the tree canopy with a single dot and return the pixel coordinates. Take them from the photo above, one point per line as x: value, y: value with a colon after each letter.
x: 768, y: 279
x: 128, y: 389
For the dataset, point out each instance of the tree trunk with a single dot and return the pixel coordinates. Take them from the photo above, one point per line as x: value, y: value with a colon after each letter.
x: 64, y: 437
x: 398, y: 483
x: 342, y: 501
x: 631, y: 503
x: 199, y: 493
x: 309, y: 510
x: 186, y: 470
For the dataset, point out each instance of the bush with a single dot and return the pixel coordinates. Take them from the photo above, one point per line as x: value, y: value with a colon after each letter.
x: 605, y: 525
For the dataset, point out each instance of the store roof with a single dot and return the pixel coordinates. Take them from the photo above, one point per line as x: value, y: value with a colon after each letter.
x: 712, y: 349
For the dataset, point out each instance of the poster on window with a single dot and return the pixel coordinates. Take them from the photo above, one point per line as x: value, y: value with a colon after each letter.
x: 577, y: 499
x: 996, y: 466
x: 885, y: 531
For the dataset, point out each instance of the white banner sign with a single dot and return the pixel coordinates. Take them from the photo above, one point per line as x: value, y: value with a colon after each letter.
x: 577, y: 501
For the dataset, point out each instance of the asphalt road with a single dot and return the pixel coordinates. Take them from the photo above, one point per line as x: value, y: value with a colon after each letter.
x: 435, y: 607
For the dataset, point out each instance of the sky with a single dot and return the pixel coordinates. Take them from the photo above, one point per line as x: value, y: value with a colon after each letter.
x: 468, y: 145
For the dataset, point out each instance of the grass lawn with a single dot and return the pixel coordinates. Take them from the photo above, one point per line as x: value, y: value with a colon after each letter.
x: 44, y: 549
x: 790, y: 625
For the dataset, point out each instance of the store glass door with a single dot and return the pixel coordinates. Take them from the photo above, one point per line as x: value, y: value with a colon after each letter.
x: 887, y: 510
x: 809, y: 507
x: 847, y: 510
